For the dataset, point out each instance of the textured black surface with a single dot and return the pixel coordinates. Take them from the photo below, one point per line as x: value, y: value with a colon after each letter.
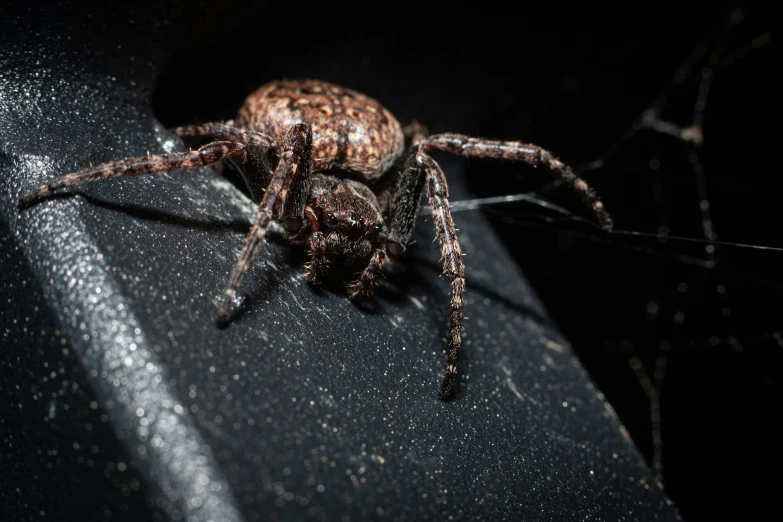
x: 120, y: 398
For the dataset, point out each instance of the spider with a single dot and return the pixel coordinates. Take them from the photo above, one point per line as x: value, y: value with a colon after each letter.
x: 319, y: 159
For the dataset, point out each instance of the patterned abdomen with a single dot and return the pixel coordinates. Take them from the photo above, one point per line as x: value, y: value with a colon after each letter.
x: 351, y: 132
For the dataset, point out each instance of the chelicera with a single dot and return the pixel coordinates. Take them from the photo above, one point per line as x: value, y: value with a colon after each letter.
x: 320, y: 159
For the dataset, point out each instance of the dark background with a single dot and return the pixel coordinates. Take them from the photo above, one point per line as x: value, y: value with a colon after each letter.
x: 576, y: 84
x: 701, y: 329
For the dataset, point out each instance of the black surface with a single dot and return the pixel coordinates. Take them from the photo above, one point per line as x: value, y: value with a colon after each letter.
x: 76, y: 89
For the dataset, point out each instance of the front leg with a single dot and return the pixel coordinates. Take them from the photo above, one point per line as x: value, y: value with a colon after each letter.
x: 296, y: 158
x: 318, y: 265
x: 405, y: 205
x: 367, y: 281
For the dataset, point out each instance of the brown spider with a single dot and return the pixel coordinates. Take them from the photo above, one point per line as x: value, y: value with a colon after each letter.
x: 314, y: 157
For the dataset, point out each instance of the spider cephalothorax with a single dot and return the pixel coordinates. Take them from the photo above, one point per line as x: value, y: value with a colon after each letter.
x: 343, y: 222
x: 317, y: 159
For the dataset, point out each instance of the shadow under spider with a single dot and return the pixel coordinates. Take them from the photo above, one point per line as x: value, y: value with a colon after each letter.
x: 393, y: 285
x: 149, y: 214
x: 479, y: 288
x: 238, y: 226
x: 400, y: 276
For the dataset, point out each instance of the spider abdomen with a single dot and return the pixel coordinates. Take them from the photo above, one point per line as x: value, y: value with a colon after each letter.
x: 351, y: 132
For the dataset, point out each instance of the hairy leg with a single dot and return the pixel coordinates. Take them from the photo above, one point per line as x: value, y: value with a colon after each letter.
x: 257, y: 171
x: 367, y: 283
x: 527, y: 153
x: 226, y: 132
x: 295, y: 164
x: 206, y: 155
x: 405, y: 204
x: 316, y: 268
x: 404, y: 207
x: 415, y: 131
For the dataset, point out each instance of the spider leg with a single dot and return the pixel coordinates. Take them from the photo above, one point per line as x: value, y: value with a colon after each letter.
x: 318, y: 264
x: 206, y: 155
x: 416, y: 131
x: 257, y: 170
x: 405, y: 206
x: 527, y: 153
x: 367, y: 279
x: 295, y: 167
x: 226, y: 132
